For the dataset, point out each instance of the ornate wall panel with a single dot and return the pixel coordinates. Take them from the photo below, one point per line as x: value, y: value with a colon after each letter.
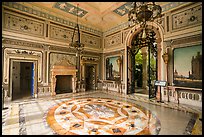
x: 161, y: 22
x: 23, y: 24
x: 23, y: 43
x: 187, y: 18
x: 125, y: 34
x: 113, y: 40
x: 91, y: 40
x: 64, y: 49
x: 61, y: 33
x: 48, y: 16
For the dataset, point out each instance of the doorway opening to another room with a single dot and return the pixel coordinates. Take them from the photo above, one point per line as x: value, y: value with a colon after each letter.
x: 90, y: 77
x: 143, y: 64
x: 22, y: 81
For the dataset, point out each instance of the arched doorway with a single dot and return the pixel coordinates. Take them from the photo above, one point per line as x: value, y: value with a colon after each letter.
x: 143, y: 72
x: 144, y: 60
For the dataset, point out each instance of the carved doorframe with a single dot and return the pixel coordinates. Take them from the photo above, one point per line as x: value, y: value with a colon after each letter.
x: 159, y: 40
x: 35, y: 63
x: 94, y: 61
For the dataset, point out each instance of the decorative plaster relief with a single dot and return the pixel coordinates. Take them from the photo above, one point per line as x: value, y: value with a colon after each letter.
x: 47, y: 16
x: 115, y: 53
x: 113, y: 40
x: 189, y: 17
x: 64, y: 49
x: 92, y: 53
x: 22, y: 43
x: 63, y: 34
x: 56, y: 58
x: 20, y: 54
x: 161, y: 22
x: 90, y: 59
x: 34, y: 45
x: 23, y: 24
x: 91, y: 41
x: 125, y: 33
x: 64, y: 62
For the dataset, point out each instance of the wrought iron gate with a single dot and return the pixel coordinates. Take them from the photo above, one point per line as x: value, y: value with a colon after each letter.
x: 136, y: 44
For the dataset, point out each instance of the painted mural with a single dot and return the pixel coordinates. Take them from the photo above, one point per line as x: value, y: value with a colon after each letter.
x: 112, y: 68
x: 188, y: 66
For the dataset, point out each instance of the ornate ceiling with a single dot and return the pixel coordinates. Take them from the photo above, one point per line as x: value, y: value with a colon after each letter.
x: 97, y: 15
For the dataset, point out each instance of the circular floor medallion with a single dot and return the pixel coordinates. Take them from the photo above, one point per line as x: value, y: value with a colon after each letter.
x: 91, y: 116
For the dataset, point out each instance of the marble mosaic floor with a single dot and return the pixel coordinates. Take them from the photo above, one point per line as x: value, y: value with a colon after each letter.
x: 89, y: 116
x: 94, y: 112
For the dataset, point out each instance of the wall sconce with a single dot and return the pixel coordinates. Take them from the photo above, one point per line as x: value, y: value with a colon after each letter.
x: 165, y: 57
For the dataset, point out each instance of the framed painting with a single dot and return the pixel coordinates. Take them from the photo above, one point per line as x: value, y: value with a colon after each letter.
x: 113, y: 68
x: 188, y: 66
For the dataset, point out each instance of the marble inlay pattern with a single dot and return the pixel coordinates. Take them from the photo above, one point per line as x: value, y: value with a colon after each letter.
x: 90, y: 116
x: 175, y: 119
x: 22, y: 128
x: 190, y: 125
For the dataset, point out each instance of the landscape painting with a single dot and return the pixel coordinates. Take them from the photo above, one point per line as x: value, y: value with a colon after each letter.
x: 188, y: 66
x: 112, y: 68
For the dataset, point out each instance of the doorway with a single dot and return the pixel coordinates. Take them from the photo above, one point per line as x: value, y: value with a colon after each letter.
x: 90, y: 77
x: 22, y: 80
x: 143, y: 64
x: 139, y: 83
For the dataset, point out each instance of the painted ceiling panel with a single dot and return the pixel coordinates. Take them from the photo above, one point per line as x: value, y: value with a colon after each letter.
x: 124, y: 9
x: 70, y: 9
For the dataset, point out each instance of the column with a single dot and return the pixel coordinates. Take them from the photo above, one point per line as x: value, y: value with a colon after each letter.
x: 44, y: 66
x: 144, y: 67
x: 53, y: 84
x: 48, y: 69
x: 74, y: 83
x: 159, y: 68
x: 83, y: 76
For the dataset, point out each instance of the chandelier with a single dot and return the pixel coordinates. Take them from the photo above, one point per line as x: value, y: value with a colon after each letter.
x: 79, y: 47
x: 143, y: 12
x: 77, y: 44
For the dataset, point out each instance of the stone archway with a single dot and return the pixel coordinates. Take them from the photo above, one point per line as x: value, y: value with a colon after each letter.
x: 159, y: 40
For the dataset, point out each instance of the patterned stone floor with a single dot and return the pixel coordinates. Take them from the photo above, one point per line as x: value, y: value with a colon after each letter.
x: 89, y: 116
x: 33, y: 116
